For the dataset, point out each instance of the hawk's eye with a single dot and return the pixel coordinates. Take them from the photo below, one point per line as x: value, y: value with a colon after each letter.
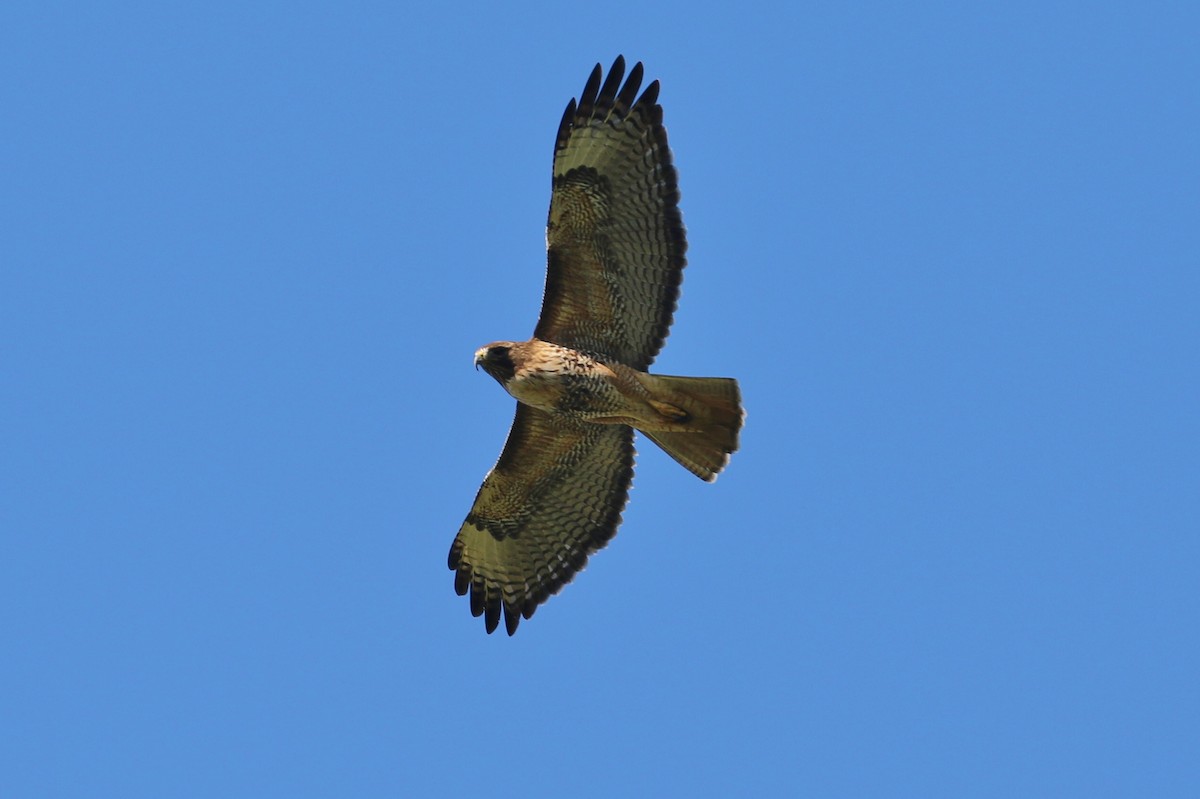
x: 500, y: 355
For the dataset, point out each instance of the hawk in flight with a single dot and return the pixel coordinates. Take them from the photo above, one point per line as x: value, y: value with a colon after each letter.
x: 615, y: 251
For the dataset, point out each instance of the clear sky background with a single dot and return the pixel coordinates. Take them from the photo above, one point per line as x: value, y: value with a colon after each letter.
x: 952, y: 252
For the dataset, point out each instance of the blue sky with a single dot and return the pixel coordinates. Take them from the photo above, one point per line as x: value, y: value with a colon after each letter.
x: 950, y: 251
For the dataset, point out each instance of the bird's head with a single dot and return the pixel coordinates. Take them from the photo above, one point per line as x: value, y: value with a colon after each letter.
x: 497, y: 360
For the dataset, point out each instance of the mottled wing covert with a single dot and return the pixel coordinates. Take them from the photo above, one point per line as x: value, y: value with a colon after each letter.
x: 554, y: 497
x: 615, y: 238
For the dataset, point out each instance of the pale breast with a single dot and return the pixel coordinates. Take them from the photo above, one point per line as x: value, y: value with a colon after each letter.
x: 562, y: 380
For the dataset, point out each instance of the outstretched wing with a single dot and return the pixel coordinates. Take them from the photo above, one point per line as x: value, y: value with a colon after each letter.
x: 615, y: 239
x: 554, y: 497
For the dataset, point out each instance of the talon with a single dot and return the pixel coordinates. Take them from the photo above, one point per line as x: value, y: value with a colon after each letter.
x: 672, y: 413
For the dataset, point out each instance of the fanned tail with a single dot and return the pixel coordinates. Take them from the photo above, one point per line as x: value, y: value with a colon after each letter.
x: 703, y: 440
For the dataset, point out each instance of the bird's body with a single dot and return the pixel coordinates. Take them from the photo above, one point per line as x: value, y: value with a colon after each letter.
x: 558, y: 379
x: 615, y: 253
x: 573, y: 384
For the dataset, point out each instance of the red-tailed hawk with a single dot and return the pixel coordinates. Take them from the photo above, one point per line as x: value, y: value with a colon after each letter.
x: 615, y: 251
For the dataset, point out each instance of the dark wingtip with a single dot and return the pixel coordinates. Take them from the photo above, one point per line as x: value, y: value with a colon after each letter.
x: 476, y: 600
x: 491, y: 617
x: 567, y: 116
x: 512, y: 617
x: 612, y: 83
x: 630, y: 89
x: 650, y: 96
x: 590, y: 89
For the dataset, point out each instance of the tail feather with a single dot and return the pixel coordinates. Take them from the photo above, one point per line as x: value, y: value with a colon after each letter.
x: 703, y: 441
